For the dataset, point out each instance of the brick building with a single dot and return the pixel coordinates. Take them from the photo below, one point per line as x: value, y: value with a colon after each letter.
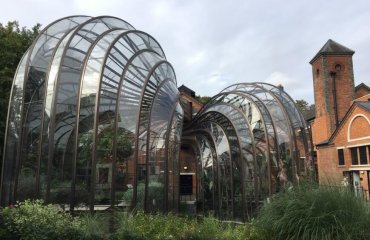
x: 188, y: 155
x: 341, y: 126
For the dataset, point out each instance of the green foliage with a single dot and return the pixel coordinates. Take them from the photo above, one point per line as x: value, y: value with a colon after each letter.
x: 92, y: 226
x: 34, y: 220
x: 155, y: 191
x: 125, y: 141
x: 14, y: 41
x: 202, y: 99
x: 305, y: 108
x: 147, y: 226
x: 303, y: 212
x: 313, y: 212
x: 165, y: 227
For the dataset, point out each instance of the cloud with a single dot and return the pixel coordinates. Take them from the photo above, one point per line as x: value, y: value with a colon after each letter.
x: 278, y: 78
x: 196, y: 58
x: 292, y: 86
x: 214, y: 43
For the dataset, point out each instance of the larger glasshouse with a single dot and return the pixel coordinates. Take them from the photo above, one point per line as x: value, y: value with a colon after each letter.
x: 96, y: 120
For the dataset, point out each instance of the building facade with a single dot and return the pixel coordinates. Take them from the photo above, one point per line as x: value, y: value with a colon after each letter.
x: 341, y: 126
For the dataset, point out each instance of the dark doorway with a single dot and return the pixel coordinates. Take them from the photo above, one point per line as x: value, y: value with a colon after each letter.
x: 186, y: 184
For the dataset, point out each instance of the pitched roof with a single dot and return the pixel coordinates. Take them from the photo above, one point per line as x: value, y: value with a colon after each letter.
x: 309, y: 114
x: 332, y: 48
x: 364, y: 105
x: 323, y: 143
x: 185, y: 89
x: 362, y: 85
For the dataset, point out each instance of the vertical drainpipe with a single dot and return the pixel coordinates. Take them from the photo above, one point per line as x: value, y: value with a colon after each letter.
x: 333, y: 75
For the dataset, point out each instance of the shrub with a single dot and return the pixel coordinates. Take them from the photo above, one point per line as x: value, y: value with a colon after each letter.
x: 4, y: 231
x: 155, y: 191
x: 33, y: 220
x: 92, y: 226
x: 313, y: 212
x: 169, y: 226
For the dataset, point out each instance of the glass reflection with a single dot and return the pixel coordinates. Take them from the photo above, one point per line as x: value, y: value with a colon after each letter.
x: 95, y: 121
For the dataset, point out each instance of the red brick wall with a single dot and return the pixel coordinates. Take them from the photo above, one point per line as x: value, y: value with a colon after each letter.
x: 190, y: 106
x: 188, y: 159
x: 320, y: 129
x: 327, y: 157
x: 359, y: 128
x: 363, y: 98
x: 325, y: 122
x: 327, y: 163
x: 361, y: 92
x: 344, y: 83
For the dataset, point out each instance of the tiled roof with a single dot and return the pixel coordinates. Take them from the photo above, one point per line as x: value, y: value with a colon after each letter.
x: 362, y: 85
x: 333, y: 48
x: 365, y: 105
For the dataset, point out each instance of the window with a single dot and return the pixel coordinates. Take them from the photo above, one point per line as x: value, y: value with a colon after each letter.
x: 340, y: 157
x: 354, y: 156
x: 363, y: 155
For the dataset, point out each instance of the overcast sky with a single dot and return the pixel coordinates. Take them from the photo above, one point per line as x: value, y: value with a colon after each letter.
x: 213, y: 44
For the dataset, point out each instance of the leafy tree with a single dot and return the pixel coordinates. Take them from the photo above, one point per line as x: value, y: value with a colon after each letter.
x: 202, y: 99
x: 105, y: 144
x: 14, y: 41
x: 306, y: 109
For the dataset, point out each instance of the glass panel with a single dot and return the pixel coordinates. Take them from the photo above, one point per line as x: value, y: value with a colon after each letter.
x: 133, y: 112
x: 161, y: 113
x: 340, y: 157
x: 173, y: 159
x: 208, y: 183
x: 354, y: 156
x: 104, y: 117
x: 34, y: 117
x: 12, y: 140
x: 65, y: 105
x: 60, y: 188
x: 363, y: 155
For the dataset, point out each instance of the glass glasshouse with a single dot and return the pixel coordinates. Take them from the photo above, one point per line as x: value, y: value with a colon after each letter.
x: 96, y: 119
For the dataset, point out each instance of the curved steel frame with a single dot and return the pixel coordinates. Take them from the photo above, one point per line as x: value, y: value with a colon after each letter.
x: 95, y: 118
x: 281, y: 131
x: 122, y: 53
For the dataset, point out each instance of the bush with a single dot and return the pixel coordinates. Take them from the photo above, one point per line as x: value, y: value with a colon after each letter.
x: 313, y: 212
x: 33, y: 220
x: 155, y: 192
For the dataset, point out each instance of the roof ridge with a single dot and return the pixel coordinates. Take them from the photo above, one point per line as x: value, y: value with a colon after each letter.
x: 362, y: 85
x: 331, y: 47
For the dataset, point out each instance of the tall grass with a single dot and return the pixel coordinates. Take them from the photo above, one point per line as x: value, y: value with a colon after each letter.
x: 315, y: 212
x: 306, y: 212
x: 169, y: 226
x: 93, y: 226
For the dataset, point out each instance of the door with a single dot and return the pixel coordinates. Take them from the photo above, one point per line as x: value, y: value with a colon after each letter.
x: 356, y: 183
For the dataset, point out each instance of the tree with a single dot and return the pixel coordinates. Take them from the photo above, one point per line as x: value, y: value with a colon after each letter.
x: 202, y: 99
x: 14, y: 41
x: 306, y: 109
